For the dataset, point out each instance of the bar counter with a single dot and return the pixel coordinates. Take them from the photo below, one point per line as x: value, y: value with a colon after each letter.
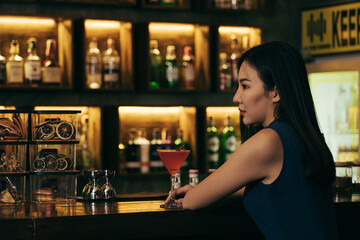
x: 144, y: 219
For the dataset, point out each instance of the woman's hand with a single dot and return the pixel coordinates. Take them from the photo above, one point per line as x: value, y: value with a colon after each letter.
x: 179, y: 193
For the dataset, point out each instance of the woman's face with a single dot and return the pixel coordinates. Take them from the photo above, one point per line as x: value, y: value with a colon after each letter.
x: 255, y: 104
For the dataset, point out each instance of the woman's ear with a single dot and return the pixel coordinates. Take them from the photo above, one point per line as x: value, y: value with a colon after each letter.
x: 276, y: 96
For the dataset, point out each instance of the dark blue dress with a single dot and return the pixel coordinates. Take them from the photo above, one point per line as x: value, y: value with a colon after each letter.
x: 292, y: 207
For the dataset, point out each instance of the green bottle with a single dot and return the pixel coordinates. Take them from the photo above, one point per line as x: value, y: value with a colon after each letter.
x: 155, y: 65
x: 228, y: 140
x: 213, y: 145
x: 171, y: 67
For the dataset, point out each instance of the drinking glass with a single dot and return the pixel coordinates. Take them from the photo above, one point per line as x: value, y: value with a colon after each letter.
x: 173, y: 160
x: 93, y: 190
x: 108, y: 191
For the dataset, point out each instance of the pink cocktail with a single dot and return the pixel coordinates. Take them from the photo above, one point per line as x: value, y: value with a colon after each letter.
x: 173, y: 160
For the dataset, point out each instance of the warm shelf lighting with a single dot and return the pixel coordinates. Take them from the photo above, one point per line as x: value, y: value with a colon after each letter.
x: 234, y: 30
x: 101, y: 24
x: 151, y: 110
x: 7, y: 108
x: 222, y: 110
x: 170, y: 27
x: 58, y: 108
x: 19, y: 21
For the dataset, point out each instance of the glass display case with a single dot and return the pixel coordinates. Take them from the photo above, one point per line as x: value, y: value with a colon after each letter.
x: 13, y: 153
x: 52, y: 154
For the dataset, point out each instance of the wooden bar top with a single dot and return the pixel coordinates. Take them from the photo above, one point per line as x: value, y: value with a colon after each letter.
x: 143, y: 220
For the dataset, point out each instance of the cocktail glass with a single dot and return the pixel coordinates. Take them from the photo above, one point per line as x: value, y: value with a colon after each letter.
x: 173, y: 160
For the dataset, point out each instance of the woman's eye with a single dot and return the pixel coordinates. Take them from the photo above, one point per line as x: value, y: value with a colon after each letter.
x: 244, y: 86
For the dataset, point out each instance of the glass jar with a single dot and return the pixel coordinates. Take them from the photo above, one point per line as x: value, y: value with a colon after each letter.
x: 343, y: 181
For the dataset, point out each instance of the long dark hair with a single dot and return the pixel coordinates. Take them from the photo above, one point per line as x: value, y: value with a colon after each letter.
x: 278, y: 64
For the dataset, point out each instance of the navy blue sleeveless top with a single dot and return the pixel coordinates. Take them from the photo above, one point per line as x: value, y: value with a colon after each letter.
x: 291, y: 207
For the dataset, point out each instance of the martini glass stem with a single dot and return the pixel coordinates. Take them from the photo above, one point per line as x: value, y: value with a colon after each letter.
x: 172, y: 199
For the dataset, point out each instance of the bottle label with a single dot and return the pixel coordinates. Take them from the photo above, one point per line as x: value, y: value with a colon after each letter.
x: 94, y: 79
x: 189, y: 76
x: 213, y: 157
x: 111, y: 77
x: 172, y: 74
x: 15, y: 72
x: 144, y: 158
x: 156, y: 164
x: 230, y: 144
x: 2, y: 73
x: 52, y: 75
x: 33, y: 70
x: 213, y: 144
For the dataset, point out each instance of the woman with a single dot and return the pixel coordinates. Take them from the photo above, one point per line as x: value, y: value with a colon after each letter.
x: 283, y: 168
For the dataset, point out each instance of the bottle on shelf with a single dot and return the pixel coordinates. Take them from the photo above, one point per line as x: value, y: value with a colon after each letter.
x: 32, y: 64
x: 155, y: 65
x: 144, y: 145
x: 87, y: 157
x: 193, y: 177
x: 225, y: 73
x: 245, y: 43
x: 188, y: 68
x: 93, y: 65
x: 2, y: 67
x: 111, y: 65
x: 132, y: 164
x: 167, y: 142
x: 15, y: 65
x: 213, y: 145
x: 156, y: 165
x: 168, y: 2
x: 51, y: 72
x: 179, y: 142
x: 228, y: 140
x: 171, y: 67
x: 177, y: 181
x: 234, y: 61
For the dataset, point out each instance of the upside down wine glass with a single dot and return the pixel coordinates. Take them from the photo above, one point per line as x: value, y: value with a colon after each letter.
x: 173, y: 160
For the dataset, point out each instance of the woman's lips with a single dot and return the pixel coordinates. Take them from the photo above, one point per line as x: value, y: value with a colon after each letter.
x: 242, y: 112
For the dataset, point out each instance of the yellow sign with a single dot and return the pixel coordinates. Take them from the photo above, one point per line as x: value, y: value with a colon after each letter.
x: 333, y: 29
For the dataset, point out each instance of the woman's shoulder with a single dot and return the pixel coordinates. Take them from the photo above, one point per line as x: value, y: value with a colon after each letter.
x: 266, y: 142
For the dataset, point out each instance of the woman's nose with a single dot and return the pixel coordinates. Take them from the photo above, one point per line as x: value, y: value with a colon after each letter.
x: 236, y: 98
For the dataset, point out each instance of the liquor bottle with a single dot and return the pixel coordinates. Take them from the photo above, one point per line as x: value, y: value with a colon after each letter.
x: 15, y: 64
x: 51, y: 72
x: 193, y: 177
x: 93, y: 65
x: 2, y: 68
x: 171, y: 67
x: 213, y: 145
x: 188, y: 68
x: 156, y: 165
x: 132, y: 154
x: 168, y: 2
x: 87, y: 157
x: 167, y: 143
x: 228, y: 140
x: 178, y: 143
x: 177, y: 181
x: 225, y: 73
x: 32, y: 64
x: 144, y: 145
x: 155, y: 65
x: 234, y: 62
x: 111, y: 65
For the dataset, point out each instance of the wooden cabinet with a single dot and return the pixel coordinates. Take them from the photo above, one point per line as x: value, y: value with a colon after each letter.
x: 132, y: 24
